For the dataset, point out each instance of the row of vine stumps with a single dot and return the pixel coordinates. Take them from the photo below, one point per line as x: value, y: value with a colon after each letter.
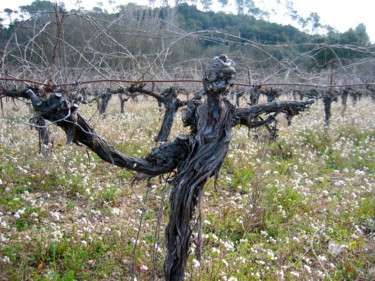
x: 191, y: 159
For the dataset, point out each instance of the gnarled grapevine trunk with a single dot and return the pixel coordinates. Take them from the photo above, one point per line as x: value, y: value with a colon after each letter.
x: 171, y: 103
x: 344, y: 99
x: 208, y: 150
x: 103, y: 102
x: 44, y: 134
x: 328, y: 98
x: 254, y: 95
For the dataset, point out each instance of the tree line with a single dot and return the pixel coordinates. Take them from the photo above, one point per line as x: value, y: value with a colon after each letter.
x: 139, y: 34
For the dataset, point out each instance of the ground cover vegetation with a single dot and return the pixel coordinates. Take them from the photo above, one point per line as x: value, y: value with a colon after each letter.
x: 297, y: 208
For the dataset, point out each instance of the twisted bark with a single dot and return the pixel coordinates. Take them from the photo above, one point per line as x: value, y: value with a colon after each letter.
x: 328, y: 98
x: 171, y: 103
x: 208, y: 150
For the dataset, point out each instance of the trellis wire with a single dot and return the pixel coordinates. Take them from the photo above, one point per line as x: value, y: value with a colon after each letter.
x: 77, y: 83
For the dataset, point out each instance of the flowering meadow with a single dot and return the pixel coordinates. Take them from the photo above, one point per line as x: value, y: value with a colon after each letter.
x: 301, y: 207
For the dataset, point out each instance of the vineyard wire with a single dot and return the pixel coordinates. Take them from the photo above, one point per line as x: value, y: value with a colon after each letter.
x: 183, y: 81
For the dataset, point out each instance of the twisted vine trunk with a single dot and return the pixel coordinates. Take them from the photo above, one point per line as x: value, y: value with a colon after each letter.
x: 344, y: 99
x: 166, y: 126
x: 103, y: 103
x: 328, y: 98
x: 208, y: 150
x: 44, y: 134
x: 123, y: 100
x: 254, y: 95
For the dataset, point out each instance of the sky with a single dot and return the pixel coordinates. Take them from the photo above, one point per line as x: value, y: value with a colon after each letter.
x: 340, y: 14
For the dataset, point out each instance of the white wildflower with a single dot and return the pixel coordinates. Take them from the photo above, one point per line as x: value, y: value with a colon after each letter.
x: 116, y: 211
x: 241, y: 260
x: 96, y: 213
x: 332, y: 265
x: 308, y: 268
x: 215, y: 251
x: 196, y: 263
x: 228, y: 245
x: 143, y: 267
x: 35, y: 215
x: 3, y: 238
x: 5, y: 259
x: 320, y: 274
x: 57, y: 235
x: 280, y: 274
x: 322, y: 258
x: 214, y: 237
x: 340, y: 183
x: 335, y: 248
x: 55, y: 215
x: 296, y: 274
x: 295, y: 239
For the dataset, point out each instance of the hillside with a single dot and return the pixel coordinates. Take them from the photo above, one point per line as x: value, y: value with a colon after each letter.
x: 138, y: 32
